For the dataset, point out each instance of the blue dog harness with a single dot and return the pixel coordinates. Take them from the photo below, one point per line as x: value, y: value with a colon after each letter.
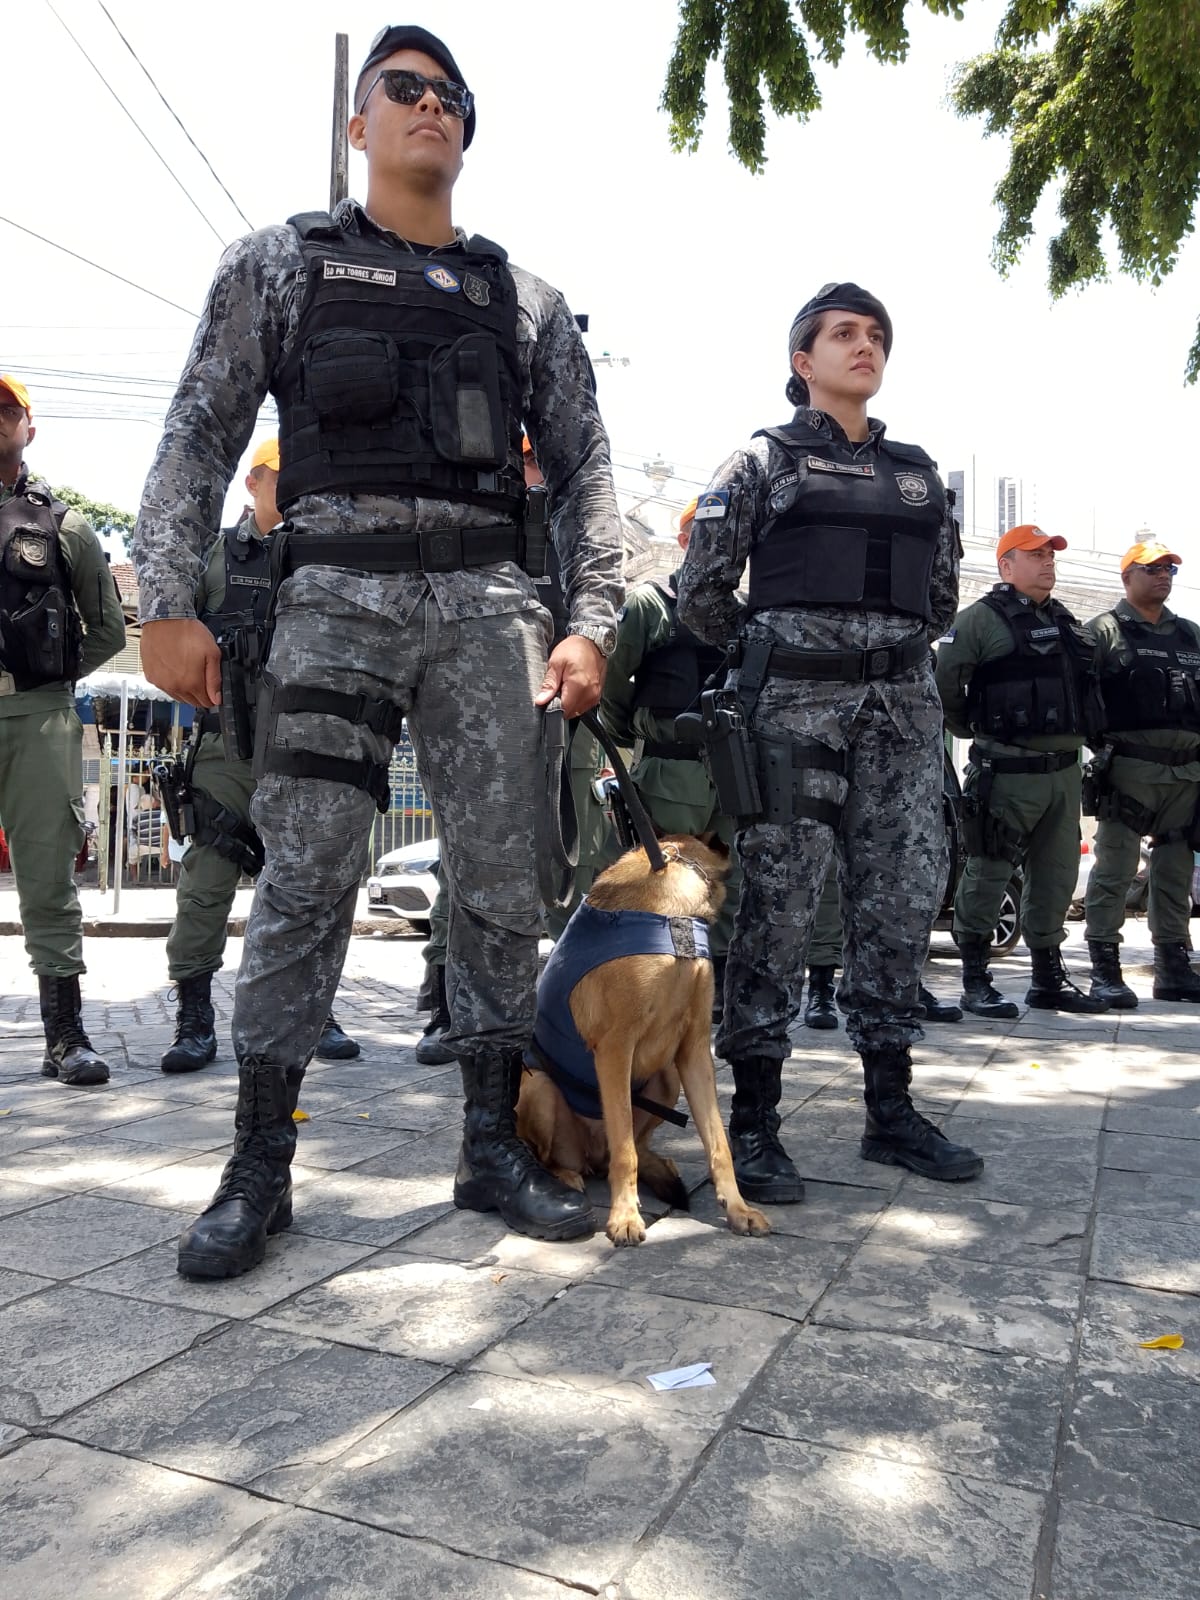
x: 591, y: 938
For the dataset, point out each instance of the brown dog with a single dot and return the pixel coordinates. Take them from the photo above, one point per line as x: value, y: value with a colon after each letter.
x: 645, y: 1020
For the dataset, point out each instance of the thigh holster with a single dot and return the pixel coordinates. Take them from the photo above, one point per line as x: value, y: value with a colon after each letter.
x: 228, y: 834
x: 782, y: 764
x: 382, y: 717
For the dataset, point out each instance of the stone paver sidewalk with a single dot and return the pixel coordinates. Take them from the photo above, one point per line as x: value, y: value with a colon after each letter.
x: 921, y: 1393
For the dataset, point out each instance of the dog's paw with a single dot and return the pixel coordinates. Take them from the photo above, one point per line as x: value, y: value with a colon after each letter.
x: 746, y: 1220
x: 626, y: 1227
x: 573, y: 1180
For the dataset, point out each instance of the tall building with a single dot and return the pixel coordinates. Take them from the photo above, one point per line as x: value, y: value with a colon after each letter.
x: 956, y: 482
x: 1010, y: 504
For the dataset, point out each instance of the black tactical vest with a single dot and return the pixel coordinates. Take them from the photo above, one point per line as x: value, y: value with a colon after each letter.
x: 1160, y: 687
x: 41, y: 637
x: 1047, y: 685
x: 846, y: 529
x: 404, y: 378
x: 670, y: 678
x: 247, y: 581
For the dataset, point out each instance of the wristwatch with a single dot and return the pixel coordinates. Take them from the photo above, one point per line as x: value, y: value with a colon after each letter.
x: 605, y: 639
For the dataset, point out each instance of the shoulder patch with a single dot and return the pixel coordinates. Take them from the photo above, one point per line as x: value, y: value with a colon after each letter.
x: 712, y: 506
x: 949, y: 636
x: 439, y: 276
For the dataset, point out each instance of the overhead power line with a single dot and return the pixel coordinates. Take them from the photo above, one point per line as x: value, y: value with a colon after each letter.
x: 88, y: 262
x: 178, y: 181
x: 175, y: 114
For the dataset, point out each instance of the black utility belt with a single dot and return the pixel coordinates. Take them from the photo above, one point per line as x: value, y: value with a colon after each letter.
x: 1149, y: 752
x: 1052, y: 761
x: 433, y: 550
x: 848, y: 666
x: 208, y: 721
x: 670, y: 750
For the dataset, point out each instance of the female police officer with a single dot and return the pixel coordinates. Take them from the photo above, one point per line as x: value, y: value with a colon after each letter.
x: 853, y: 571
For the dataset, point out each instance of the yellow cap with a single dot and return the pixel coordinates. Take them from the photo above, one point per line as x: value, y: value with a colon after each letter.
x: 688, y: 515
x: 1148, y: 552
x: 267, y: 455
x: 18, y: 391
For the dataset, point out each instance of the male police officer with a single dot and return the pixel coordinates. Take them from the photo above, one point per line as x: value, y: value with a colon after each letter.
x: 60, y: 618
x: 403, y: 356
x: 231, y: 600
x: 1150, y: 783
x: 1017, y: 672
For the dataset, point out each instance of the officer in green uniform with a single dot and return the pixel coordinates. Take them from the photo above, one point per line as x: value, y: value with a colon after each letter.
x: 233, y: 592
x: 1018, y: 674
x: 60, y: 618
x: 656, y: 672
x: 1146, y: 781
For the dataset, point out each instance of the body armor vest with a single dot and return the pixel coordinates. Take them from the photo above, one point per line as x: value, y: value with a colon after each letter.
x: 1160, y: 687
x: 247, y: 582
x: 404, y: 378
x: 845, y: 529
x: 670, y: 678
x: 41, y: 637
x: 1047, y: 685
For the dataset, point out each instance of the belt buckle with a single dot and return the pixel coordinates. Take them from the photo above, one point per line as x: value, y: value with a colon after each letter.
x: 440, y: 549
x: 876, y: 664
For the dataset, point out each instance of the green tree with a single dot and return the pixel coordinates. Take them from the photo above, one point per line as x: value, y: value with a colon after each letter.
x: 1097, y: 97
x: 104, y: 518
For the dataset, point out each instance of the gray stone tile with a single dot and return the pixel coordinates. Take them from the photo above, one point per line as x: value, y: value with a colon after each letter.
x: 398, y: 1069
x: 193, y: 1127
x: 1138, y: 1152
x: 266, y: 1410
x: 16, y: 1285
x: 187, y: 1184
x: 91, y: 1162
x: 1012, y: 1310
x: 569, y: 1481
x: 10, y: 1438
x: 292, y: 1263
x: 415, y: 1109
x: 66, y: 1345
x: 334, y: 1146
x: 768, y: 1517
x: 600, y: 1340
x: 159, y: 1529
x: 370, y: 1210
x: 1149, y: 1194
x: 1101, y: 1552
x: 694, y: 1260
x: 306, y: 1556
x: 837, y: 1212
x: 81, y: 1232
x: 1147, y: 1251
x: 1024, y: 1164
x: 983, y: 1230
x: 482, y: 1239
x: 1135, y: 1115
x: 831, y: 1160
x: 16, y: 1197
x: 1131, y: 1444
x: 1118, y: 1318
x: 433, y: 1310
x: 426, y: 1156
x: 912, y: 1400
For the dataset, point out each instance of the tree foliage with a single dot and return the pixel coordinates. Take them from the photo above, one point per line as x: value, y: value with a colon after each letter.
x: 1098, y: 98
x: 103, y: 517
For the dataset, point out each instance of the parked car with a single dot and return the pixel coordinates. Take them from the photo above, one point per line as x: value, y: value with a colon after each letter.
x: 404, y: 884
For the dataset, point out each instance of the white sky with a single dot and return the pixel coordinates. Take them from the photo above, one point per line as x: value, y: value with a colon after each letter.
x: 687, y: 265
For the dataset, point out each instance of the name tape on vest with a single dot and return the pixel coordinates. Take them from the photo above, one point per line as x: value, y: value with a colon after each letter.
x: 383, y: 277
x: 862, y: 469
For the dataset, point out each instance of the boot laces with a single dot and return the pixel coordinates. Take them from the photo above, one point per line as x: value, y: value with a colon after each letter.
x: 250, y: 1174
x: 193, y: 1014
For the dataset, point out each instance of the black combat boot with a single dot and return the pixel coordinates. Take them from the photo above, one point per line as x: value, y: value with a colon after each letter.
x: 430, y: 1051
x: 821, y: 1011
x: 334, y: 1045
x: 1173, y: 975
x: 69, y: 1055
x: 937, y: 1010
x: 195, y: 1039
x: 718, y: 1005
x: 896, y: 1134
x: 499, y: 1172
x: 1107, y: 981
x: 254, y: 1197
x: 764, y: 1171
x: 978, y: 994
x: 1052, y: 989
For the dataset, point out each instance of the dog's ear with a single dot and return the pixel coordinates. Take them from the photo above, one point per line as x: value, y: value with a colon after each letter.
x: 715, y: 843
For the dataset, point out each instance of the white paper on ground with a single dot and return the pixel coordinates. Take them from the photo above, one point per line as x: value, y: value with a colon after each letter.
x: 697, y: 1376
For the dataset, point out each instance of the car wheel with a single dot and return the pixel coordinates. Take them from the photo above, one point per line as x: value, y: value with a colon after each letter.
x: 1008, y: 923
x: 417, y: 926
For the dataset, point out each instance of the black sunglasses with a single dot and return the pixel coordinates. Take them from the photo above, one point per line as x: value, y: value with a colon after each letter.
x: 407, y: 88
x: 1162, y: 568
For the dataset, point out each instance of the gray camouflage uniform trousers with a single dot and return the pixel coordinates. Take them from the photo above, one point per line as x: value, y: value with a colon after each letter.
x: 467, y: 688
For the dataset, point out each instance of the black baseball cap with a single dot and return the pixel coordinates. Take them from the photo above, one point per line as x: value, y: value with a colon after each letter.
x: 403, y: 36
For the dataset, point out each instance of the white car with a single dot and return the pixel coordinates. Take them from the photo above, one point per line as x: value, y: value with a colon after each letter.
x: 404, y: 884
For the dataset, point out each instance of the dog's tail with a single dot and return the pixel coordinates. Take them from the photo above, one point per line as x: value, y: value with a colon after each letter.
x: 662, y: 1178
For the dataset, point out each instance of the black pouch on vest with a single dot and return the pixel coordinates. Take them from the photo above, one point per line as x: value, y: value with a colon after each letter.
x: 352, y: 377
x: 29, y: 556
x: 834, y: 563
x: 464, y: 395
x: 36, y: 639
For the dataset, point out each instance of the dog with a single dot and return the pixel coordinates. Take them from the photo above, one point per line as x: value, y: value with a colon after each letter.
x: 638, y: 1030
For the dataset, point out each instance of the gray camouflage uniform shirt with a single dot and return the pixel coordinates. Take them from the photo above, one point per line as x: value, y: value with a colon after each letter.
x: 244, y: 336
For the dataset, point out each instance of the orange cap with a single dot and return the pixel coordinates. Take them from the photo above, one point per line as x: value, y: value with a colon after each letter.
x: 18, y: 391
x: 267, y: 455
x: 688, y: 515
x: 1029, y: 537
x: 1146, y: 553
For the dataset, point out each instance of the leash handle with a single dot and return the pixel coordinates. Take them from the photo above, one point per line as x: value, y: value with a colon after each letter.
x: 638, y: 814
